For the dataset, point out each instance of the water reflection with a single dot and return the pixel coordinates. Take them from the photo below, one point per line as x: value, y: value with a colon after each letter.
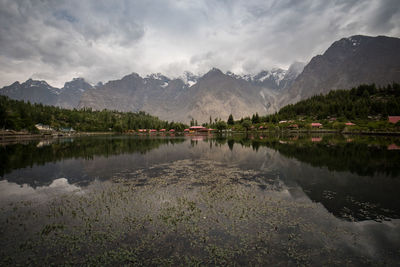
x: 355, y: 178
x: 212, y: 200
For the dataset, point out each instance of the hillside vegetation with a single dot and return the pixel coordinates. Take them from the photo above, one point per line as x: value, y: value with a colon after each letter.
x: 19, y: 115
x: 357, y: 103
x: 367, y: 106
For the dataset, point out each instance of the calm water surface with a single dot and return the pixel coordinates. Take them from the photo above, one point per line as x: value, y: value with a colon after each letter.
x: 208, y: 200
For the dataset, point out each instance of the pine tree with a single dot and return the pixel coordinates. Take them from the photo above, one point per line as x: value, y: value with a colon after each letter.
x: 230, y: 120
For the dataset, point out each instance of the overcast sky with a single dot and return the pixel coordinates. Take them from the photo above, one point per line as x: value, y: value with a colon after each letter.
x: 101, y: 40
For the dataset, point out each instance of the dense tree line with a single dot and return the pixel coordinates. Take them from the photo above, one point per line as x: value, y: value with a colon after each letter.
x: 19, y: 115
x: 357, y: 103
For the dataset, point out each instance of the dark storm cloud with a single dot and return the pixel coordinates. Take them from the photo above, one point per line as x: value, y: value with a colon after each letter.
x: 103, y: 40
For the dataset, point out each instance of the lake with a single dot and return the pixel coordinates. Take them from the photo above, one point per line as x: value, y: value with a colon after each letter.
x: 257, y: 199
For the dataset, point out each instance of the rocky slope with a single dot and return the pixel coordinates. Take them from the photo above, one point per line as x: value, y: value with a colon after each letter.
x: 33, y: 91
x: 189, y: 97
x: 41, y: 92
x: 214, y: 94
x: 347, y: 63
x: 71, y: 93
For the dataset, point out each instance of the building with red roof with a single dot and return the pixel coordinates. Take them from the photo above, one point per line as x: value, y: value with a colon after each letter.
x: 349, y: 124
x: 393, y: 147
x: 394, y: 119
x: 316, y: 125
x: 196, y: 128
x: 316, y: 139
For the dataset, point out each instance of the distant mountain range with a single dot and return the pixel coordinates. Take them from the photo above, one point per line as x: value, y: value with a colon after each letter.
x: 347, y: 63
x: 214, y: 94
x: 41, y: 92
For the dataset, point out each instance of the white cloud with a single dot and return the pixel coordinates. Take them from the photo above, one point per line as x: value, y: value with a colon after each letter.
x: 103, y: 40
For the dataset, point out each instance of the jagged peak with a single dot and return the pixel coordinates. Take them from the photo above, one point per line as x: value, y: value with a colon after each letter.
x: 32, y: 82
x: 78, y: 83
x: 214, y: 70
x: 133, y: 75
x: 157, y: 76
x: 233, y: 75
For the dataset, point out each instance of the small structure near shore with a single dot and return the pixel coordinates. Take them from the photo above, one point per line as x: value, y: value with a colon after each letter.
x: 67, y: 130
x: 43, y: 127
x: 197, y: 128
x: 394, y: 119
x: 316, y: 125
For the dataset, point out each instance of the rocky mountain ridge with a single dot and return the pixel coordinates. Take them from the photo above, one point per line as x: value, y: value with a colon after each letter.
x: 36, y: 91
x: 214, y: 94
x: 347, y: 63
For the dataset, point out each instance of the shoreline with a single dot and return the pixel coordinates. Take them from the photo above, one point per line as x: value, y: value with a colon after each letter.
x: 12, y: 136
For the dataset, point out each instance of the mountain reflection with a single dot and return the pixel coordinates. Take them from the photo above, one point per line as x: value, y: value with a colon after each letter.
x: 354, y: 178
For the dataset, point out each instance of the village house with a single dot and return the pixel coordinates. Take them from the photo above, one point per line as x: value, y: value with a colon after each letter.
x: 316, y: 125
x: 43, y: 127
x: 393, y: 119
x: 198, y: 129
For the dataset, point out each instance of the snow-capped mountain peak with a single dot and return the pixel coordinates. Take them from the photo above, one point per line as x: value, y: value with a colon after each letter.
x: 189, y: 78
x: 157, y: 76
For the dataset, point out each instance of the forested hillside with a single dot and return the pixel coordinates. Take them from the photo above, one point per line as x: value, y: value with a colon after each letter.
x: 358, y: 103
x: 19, y: 115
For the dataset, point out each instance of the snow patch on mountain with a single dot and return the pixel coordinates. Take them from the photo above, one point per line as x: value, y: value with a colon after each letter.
x: 191, y: 83
x: 353, y: 41
x: 189, y: 78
